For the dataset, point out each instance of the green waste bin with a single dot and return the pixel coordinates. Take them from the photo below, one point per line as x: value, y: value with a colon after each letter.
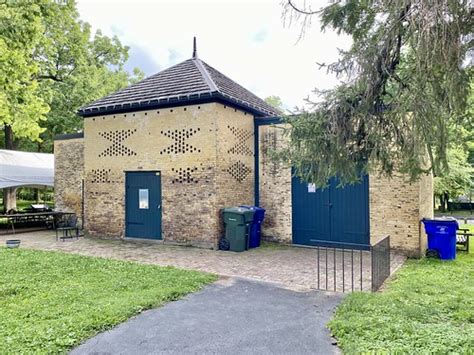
x: 236, y: 223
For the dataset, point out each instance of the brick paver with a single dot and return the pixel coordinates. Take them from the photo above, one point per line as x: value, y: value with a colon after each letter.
x: 291, y: 267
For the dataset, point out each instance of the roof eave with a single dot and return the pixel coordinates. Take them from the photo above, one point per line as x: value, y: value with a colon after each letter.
x: 172, y: 102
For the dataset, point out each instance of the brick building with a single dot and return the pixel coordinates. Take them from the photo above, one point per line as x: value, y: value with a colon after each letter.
x: 160, y: 159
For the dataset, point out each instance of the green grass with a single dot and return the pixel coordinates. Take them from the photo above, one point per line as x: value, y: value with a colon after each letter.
x: 427, y: 308
x: 471, y: 229
x: 22, y: 204
x: 51, y: 301
x: 455, y: 213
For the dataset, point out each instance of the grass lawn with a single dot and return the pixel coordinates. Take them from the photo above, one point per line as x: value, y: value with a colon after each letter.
x: 455, y: 213
x: 427, y: 308
x: 51, y: 301
x: 22, y: 204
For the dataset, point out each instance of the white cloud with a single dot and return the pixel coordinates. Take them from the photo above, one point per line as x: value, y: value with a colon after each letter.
x: 245, y: 40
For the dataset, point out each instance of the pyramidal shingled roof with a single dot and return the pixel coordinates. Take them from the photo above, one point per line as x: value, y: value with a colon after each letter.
x: 189, y: 82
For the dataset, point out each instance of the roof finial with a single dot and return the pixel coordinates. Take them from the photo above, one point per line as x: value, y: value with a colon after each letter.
x: 195, y: 54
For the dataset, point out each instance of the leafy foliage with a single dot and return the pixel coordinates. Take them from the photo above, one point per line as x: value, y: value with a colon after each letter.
x: 275, y: 101
x: 60, y: 65
x: 404, y: 83
x: 427, y: 308
x: 21, y: 105
x: 459, y: 179
x: 51, y: 301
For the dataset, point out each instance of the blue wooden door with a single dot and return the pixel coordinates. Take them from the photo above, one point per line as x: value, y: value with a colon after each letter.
x: 332, y: 216
x: 143, y: 205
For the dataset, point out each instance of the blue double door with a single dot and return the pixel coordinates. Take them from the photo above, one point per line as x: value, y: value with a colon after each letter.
x: 143, y: 205
x: 332, y: 217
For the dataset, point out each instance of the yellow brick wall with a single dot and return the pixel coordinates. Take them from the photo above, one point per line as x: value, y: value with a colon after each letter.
x: 68, y: 175
x: 173, y: 141
x: 182, y: 143
x: 426, y: 207
x: 235, y: 159
x: 393, y: 206
x: 396, y: 208
x: 275, y: 187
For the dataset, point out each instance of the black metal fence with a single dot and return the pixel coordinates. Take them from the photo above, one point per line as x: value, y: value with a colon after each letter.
x: 380, y: 262
x: 348, y: 268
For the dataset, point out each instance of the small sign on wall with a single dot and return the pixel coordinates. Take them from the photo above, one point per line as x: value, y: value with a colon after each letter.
x: 311, y: 187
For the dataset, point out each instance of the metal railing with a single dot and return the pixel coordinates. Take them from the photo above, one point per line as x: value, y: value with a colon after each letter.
x: 380, y: 262
x: 348, y: 267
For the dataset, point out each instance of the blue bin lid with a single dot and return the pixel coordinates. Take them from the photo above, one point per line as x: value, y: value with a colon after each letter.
x: 440, y: 219
x: 259, y: 212
x: 447, y: 221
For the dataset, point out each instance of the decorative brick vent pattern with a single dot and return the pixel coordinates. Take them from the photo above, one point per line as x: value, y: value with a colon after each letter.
x: 117, y: 148
x: 271, y: 143
x: 101, y: 176
x: 185, y: 175
x: 180, y: 137
x: 239, y: 171
x: 242, y: 137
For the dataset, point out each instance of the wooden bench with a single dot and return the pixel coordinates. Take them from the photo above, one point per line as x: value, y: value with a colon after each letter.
x: 462, y: 239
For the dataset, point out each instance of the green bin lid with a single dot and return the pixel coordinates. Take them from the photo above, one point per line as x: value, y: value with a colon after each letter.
x: 248, y: 214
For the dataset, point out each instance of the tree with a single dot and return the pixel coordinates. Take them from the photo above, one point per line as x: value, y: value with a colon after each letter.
x: 21, y: 104
x: 404, y: 84
x: 457, y: 181
x: 50, y: 65
x: 275, y: 101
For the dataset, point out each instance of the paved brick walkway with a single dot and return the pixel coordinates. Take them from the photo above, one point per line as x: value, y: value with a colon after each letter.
x: 291, y: 267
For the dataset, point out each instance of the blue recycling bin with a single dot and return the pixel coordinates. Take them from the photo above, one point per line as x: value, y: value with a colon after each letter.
x: 255, y: 231
x: 442, y: 236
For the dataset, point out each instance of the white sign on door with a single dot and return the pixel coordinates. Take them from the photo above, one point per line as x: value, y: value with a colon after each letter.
x: 311, y: 187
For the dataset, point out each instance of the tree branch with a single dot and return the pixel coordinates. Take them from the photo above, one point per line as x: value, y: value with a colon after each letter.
x: 50, y: 77
x: 304, y: 12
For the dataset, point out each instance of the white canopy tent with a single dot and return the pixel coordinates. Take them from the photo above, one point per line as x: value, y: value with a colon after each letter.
x: 26, y: 169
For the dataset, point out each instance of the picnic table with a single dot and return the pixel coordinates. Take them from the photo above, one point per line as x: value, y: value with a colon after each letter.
x: 49, y: 219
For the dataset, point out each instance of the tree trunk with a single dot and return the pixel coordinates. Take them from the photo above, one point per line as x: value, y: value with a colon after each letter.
x: 446, y: 201
x: 9, y: 199
x: 442, y: 202
x: 9, y: 139
x: 9, y: 194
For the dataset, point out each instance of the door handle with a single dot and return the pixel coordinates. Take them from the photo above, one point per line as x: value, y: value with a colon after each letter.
x: 159, y: 206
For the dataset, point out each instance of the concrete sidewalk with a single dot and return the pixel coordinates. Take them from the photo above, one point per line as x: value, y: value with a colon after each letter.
x: 232, y: 316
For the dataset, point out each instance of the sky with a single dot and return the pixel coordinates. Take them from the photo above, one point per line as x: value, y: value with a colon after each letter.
x: 247, y: 40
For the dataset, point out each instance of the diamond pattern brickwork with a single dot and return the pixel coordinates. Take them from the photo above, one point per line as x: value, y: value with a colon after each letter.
x: 180, y: 144
x: 239, y: 171
x: 242, y: 144
x: 117, y: 137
